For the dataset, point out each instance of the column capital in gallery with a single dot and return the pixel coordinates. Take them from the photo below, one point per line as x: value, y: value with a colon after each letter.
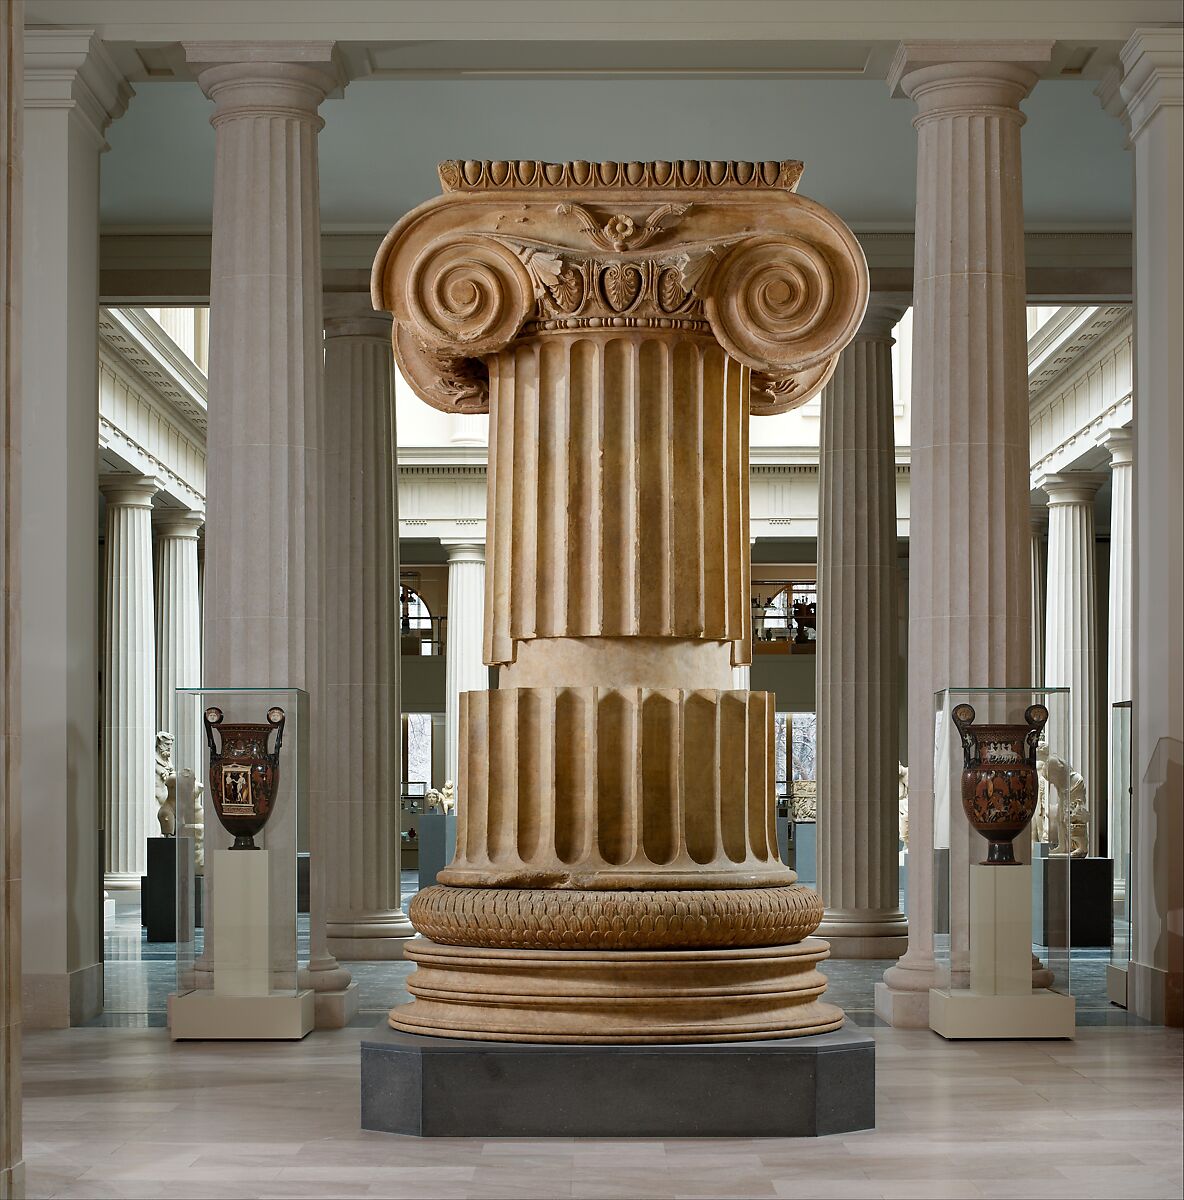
x: 884, y: 311
x: 264, y: 79
x: 71, y: 70
x: 1070, y: 487
x: 350, y: 315
x: 1119, y: 443
x: 137, y: 491
x: 178, y: 522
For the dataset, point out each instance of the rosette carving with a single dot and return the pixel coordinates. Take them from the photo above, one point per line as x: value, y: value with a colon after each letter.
x: 785, y: 307
x: 468, y: 295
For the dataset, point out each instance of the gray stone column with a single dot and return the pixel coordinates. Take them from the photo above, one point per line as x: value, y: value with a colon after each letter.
x: 858, y: 717
x: 129, y: 680
x: 1039, y: 535
x: 73, y: 90
x: 465, y: 667
x: 1120, y: 443
x: 12, y: 1167
x: 1153, y: 92
x: 970, y: 602
x: 265, y: 449
x: 178, y: 610
x: 365, y: 920
x: 1071, y: 626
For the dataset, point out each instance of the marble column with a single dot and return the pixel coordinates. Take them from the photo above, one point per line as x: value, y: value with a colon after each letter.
x: 129, y: 679
x: 970, y: 583
x: 1120, y: 443
x: 264, y: 513
x: 464, y: 663
x: 178, y: 611
x: 1153, y: 91
x: 12, y: 1167
x: 73, y: 90
x: 1071, y: 627
x: 364, y: 918
x: 1039, y: 536
x: 615, y: 826
x: 858, y: 704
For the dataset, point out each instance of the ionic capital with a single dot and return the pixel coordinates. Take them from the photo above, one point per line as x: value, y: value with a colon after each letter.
x: 724, y: 251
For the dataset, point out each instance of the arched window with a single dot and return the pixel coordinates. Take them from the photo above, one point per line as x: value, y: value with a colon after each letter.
x: 414, y: 611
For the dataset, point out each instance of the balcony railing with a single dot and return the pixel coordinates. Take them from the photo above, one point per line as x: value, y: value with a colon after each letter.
x: 423, y: 636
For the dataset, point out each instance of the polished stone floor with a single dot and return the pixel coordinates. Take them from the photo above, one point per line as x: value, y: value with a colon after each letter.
x: 126, y: 1113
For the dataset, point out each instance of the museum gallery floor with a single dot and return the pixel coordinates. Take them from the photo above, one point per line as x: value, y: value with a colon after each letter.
x: 124, y: 1113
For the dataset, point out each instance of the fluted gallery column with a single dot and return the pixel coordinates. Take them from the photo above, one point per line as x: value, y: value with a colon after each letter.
x: 1152, y: 87
x: 1039, y: 535
x: 1071, y: 627
x: 858, y: 717
x: 12, y: 1166
x: 129, y: 679
x: 364, y: 918
x: 178, y: 611
x: 264, y: 518
x: 465, y: 664
x: 970, y: 581
x: 73, y: 90
x: 1118, y: 641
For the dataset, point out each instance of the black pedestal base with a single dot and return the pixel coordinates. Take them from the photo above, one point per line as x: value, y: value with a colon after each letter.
x: 445, y: 1087
x: 1091, y: 901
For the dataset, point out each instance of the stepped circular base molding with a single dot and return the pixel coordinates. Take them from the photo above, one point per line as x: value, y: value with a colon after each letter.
x: 617, y: 996
x: 558, y: 919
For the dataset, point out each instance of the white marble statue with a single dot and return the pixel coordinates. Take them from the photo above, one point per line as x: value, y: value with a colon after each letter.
x: 441, y: 799
x: 1040, y: 822
x: 166, y: 798
x: 902, y: 801
x: 1070, y: 814
x: 804, y: 799
x: 166, y: 785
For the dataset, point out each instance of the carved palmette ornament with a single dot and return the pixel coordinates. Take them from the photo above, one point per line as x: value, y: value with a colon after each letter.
x: 651, y: 245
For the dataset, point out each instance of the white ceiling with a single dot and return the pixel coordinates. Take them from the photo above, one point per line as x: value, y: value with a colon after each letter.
x: 382, y: 140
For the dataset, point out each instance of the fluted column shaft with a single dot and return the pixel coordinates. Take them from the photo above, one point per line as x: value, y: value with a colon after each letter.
x: 1153, y: 91
x: 858, y: 719
x: 1039, y: 536
x: 464, y: 664
x: 129, y: 679
x: 178, y: 612
x: 265, y: 511
x: 970, y: 580
x: 1118, y: 642
x: 1071, y: 631
x: 364, y: 918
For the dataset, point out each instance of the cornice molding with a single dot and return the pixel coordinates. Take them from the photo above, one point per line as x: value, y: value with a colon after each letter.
x: 71, y: 69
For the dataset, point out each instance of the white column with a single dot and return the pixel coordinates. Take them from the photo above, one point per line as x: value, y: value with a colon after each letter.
x: 858, y: 708
x: 1071, y: 627
x: 1039, y: 536
x: 364, y: 918
x: 465, y: 661
x: 178, y: 610
x: 1153, y: 89
x: 12, y: 1167
x: 970, y: 583
x: 72, y: 91
x: 264, y: 511
x: 1118, y: 641
x: 129, y: 679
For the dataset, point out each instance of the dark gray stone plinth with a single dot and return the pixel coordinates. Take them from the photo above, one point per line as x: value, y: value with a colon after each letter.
x: 444, y: 1087
x: 437, y: 845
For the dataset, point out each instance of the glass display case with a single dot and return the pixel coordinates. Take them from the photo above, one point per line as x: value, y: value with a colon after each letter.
x: 1001, y: 788
x: 1120, y: 850
x: 242, y: 774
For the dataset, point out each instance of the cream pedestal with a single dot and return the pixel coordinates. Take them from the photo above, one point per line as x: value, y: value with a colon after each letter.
x: 241, y: 1004
x: 1000, y: 1002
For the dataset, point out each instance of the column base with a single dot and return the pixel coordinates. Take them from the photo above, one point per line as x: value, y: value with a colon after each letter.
x: 965, y: 1014
x: 446, y: 1087
x: 865, y: 934
x: 123, y: 881
x: 335, y: 1010
x: 62, y: 1001
x: 901, y: 1009
x: 378, y: 938
x: 214, y: 1016
x: 617, y: 996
